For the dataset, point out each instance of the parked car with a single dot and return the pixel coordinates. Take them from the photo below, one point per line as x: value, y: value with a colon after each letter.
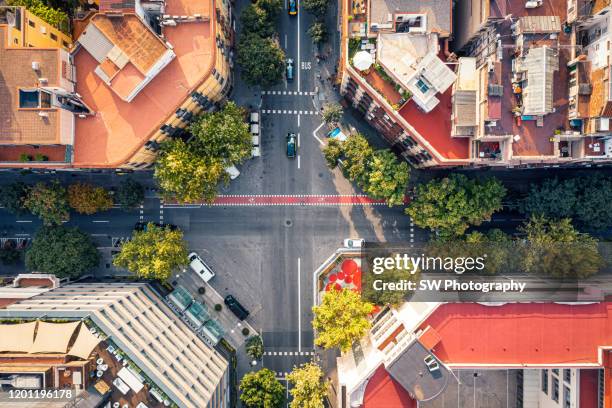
x: 254, y: 117
x: 142, y: 226
x: 232, y: 171
x: 198, y: 265
x: 431, y: 363
x: 289, y: 69
x: 292, y: 7
x: 255, y: 152
x: 236, y: 308
x: 291, y: 145
x: 353, y: 242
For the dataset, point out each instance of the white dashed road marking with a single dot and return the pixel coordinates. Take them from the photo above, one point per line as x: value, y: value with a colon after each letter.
x: 289, y: 112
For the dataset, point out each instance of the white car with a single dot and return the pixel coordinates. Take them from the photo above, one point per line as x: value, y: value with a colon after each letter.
x: 199, y: 266
x: 354, y: 242
x: 232, y: 171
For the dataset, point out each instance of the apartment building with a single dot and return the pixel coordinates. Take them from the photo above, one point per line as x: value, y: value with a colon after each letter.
x: 144, y: 70
x: 29, y: 30
x: 527, y: 85
x: 551, y: 354
x: 129, y: 321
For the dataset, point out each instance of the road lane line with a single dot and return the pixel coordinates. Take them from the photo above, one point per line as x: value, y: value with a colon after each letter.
x: 299, y: 161
x: 285, y: 41
x: 100, y: 221
x: 299, y: 64
x: 23, y: 221
x: 299, y: 303
x: 314, y: 133
x: 298, y: 140
x: 299, y: 125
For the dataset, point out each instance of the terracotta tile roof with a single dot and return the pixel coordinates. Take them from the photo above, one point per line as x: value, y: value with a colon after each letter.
x: 118, y: 129
x: 598, y: 97
x: 26, y: 126
x: 133, y: 37
x: 521, y: 333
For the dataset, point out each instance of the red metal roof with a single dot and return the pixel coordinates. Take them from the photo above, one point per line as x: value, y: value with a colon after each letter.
x: 521, y: 333
x: 383, y: 391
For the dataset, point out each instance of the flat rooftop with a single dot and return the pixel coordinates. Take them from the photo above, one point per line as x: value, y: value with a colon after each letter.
x: 438, y: 12
x: 118, y: 128
x: 521, y: 333
x: 25, y: 126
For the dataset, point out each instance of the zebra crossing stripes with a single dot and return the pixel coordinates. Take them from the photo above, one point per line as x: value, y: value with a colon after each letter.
x: 295, y: 93
x: 289, y: 112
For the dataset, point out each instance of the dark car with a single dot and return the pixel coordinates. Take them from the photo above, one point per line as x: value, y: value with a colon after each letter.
x: 142, y: 226
x: 291, y: 145
x: 239, y: 310
x: 293, y: 7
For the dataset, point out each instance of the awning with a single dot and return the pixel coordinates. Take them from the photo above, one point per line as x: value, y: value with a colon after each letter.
x: 363, y: 60
x: 53, y: 337
x: 130, y: 379
x: 84, y: 343
x: 17, y: 338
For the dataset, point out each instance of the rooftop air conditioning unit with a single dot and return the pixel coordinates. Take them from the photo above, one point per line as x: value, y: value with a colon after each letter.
x: 35, y: 65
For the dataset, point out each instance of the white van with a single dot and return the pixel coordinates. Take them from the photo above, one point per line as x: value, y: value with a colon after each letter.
x: 232, y: 171
x: 198, y: 266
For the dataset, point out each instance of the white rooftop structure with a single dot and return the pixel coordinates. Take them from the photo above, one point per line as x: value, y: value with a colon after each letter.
x: 540, y: 65
x: 412, y: 60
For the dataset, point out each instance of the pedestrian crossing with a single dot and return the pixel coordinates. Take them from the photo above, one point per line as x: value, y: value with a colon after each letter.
x: 296, y: 93
x: 289, y: 112
x: 288, y: 353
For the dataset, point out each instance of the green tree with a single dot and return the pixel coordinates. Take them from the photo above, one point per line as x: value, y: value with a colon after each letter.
x: 153, y: 253
x: 316, y: 7
x: 62, y: 251
x: 255, y: 20
x: 388, y: 297
x: 260, y: 389
x: 49, y: 202
x: 309, y: 389
x: 332, y: 113
x: 552, y: 199
x: 594, y: 203
x: 271, y: 7
x: 358, y: 153
x: 452, y: 204
x: 222, y: 135
x: 12, y: 197
x: 129, y: 194
x: 341, y: 319
x: 88, y: 199
x: 498, y: 247
x: 56, y: 18
x: 333, y: 152
x: 9, y: 254
x: 262, y: 60
x: 187, y: 175
x: 555, y: 248
x: 254, y: 347
x: 387, y: 178
x: 318, y: 32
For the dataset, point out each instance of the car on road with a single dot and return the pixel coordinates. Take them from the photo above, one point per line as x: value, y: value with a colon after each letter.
x: 292, y: 7
x: 354, y: 242
x: 289, y: 69
x: 236, y: 308
x: 198, y: 265
x: 255, y: 152
x: 142, y: 226
x: 291, y: 145
x: 232, y: 171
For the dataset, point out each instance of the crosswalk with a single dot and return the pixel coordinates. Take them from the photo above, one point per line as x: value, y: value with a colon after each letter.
x: 295, y: 93
x: 289, y: 112
x: 288, y: 353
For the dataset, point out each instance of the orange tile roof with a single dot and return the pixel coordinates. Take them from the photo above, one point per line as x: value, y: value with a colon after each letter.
x: 382, y: 391
x: 18, y: 126
x: 119, y: 129
x: 521, y: 333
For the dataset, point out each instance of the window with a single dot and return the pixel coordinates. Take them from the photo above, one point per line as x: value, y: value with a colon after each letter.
x: 65, y: 44
x: 545, y: 381
x: 555, y: 389
x: 423, y: 87
x: 31, y: 23
x: 566, y: 398
x: 53, y: 36
x: 567, y: 375
x: 555, y: 371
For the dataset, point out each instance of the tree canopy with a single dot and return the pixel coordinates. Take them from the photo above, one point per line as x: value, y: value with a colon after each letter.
x: 12, y: 197
x: 262, y: 60
x: 340, y: 319
x: 318, y: 32
x: 256, y: 20
x: 309, y: 389
x: 153, y: 253
x: 387, y: 178
x: 129, y: 194
x: 452, y: 204
x: 260, y: 389
x: 555, y: 248
x: 88, y: 199
x: 188, y: 176
x: 222, y: 135
x: 49, y: 202
x: 254, y: 347
x: 388, y: 297
x: 332, y: 112
x: 65, y: 252
x: 316, y: 7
